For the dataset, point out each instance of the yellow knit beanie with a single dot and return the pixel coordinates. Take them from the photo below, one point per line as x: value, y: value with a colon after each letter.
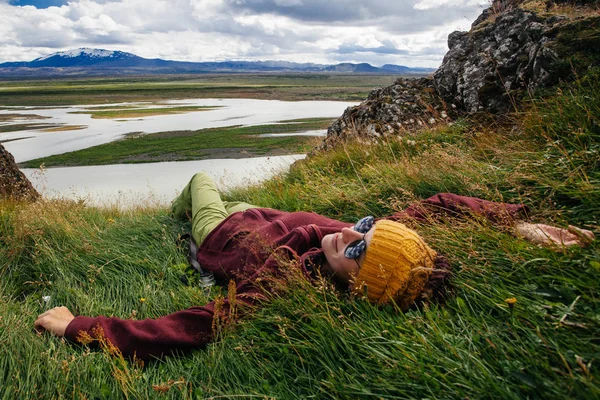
x: 396, y: 267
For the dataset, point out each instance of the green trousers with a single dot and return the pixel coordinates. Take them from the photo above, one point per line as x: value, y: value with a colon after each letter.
x: 201, y: 201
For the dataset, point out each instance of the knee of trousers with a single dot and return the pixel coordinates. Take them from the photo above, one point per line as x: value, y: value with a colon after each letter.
x: 200, y: 175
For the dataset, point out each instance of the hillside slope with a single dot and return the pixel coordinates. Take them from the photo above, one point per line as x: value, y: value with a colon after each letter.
x: 521, y: 321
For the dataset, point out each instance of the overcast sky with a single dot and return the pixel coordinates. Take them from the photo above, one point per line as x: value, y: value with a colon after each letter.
x: 405, y: 32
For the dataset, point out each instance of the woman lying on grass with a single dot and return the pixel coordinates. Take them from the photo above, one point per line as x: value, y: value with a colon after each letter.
x: 382, y: 260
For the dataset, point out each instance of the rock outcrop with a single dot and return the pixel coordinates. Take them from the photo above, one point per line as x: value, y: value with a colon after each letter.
x: 13, y: 183
x: 406, y: 106
x: 512, y: 49
x: 509, y: 50
x: 484, y: 67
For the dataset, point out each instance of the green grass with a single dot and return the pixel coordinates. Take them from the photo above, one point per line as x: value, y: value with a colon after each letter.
x: 233, y: 141
x: 312, y: 341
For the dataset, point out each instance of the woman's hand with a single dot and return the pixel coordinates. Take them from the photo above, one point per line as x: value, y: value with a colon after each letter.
x: 548, y: 235
x: 55, y: 321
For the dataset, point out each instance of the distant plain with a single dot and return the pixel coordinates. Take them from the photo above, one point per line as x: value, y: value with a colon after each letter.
x: 147, y: 96
x: 288, y: 87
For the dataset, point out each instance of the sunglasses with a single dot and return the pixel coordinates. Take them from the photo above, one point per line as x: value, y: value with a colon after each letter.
x: 357, y: 247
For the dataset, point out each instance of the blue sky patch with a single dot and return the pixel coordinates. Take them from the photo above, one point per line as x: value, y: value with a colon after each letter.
x: 38, y: 3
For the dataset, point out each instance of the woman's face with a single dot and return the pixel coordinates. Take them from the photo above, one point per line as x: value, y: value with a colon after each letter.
x: 341, y: 268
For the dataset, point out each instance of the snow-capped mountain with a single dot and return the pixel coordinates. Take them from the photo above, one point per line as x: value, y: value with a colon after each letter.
x: 87, y: 61
x: 83, y: 54
x: 83, y: 57
x: 87, y: 58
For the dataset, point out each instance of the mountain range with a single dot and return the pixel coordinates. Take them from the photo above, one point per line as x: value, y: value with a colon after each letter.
x: 86, y: 61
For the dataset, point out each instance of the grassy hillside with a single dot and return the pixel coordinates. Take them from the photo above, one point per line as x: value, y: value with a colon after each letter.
x: 312, y: 341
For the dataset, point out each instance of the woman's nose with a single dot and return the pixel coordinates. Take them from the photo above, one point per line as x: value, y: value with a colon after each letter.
x: 350, y: 235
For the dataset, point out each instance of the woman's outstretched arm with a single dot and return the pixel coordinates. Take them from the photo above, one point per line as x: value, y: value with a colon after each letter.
x: 180, y: 331
x: 547, y: 235
x: 510, y: 215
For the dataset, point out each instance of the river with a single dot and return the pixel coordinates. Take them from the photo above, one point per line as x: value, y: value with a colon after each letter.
x: 29, y: 144
x: 152, y: 184
x: 128, y: 185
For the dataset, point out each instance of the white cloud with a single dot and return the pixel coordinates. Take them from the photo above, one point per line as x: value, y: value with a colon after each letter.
x: 375, y: 31
x: 102, y: 25
x: 429, y: 4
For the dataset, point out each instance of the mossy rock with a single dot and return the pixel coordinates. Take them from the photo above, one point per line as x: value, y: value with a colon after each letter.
x: 573, y: 2
x: 13, y: 183
x: 577, y: 46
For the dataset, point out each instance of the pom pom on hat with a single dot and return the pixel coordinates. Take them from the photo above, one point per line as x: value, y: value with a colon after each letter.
x: 396, y: 267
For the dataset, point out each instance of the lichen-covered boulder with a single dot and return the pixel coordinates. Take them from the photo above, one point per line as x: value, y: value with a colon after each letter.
x: 406, y: 106
x: 514, y: 48
x: 13, y: 183
x: 484, y: 67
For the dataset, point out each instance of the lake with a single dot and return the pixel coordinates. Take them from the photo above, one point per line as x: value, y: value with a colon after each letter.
x: 30, y: 144
x: 155, y: 184
x: 127, y: 185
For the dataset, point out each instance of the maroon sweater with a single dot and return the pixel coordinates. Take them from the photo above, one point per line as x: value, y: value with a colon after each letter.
x: 238, y: 249
x: 244, y: 248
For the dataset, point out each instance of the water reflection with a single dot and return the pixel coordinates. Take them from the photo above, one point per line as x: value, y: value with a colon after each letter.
x: 129, y: 185
x: 35, y: 143
x: 317, y: 133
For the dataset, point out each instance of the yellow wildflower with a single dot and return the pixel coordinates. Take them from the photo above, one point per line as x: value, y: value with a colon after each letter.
x: 511, y: 301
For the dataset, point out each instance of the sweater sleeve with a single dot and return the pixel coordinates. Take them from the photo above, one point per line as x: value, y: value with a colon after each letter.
x: 455, y: 205
x: 194, y: 328
x: 182, y: 330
